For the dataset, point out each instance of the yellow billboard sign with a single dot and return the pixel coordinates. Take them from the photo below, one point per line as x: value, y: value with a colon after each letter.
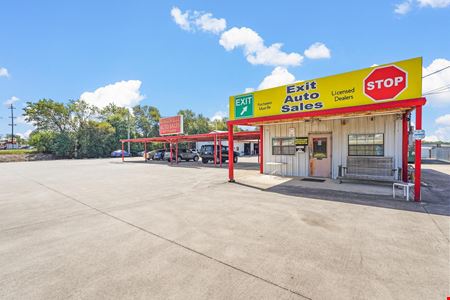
x: 385, y: 83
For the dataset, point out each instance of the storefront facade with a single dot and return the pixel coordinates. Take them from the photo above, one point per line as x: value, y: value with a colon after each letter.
x: 316, y: 127
x: 329, y: 143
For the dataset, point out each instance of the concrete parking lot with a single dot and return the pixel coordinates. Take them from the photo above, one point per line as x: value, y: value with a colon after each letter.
x: 103, y: 229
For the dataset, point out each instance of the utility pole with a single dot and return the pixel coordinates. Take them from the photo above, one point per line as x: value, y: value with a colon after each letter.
x: 12, y: 108
x: 128, y: 133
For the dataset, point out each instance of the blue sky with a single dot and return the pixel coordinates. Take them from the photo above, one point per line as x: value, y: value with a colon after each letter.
x: 135, y: 49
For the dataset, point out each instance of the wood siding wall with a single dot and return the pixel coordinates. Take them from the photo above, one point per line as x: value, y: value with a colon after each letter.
x: 298, y: 164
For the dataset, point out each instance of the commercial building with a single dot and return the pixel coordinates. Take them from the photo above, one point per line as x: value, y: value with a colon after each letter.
x: 355, y: 123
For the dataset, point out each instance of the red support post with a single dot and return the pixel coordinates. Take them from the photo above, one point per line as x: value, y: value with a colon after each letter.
x: 215, y: 149
x: 418, y: 156
x: 170, y: 149
x: 405, y: 139
x: 145, y: 152
x: 220, y: 152
x: 230, y: 153
x: 261, y: 149
x: 123, y: 154
x: 176, y: 152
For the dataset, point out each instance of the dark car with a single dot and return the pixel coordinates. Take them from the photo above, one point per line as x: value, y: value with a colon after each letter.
x: 207, y: 154
x: 159, y: 154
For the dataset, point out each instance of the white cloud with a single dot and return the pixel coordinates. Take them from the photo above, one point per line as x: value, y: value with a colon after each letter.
x: 273, y: 56
x: 403, y: 8
x: 254, y: 49
x: 219, y: 116
x: 182, y: 19
x: 242, y: 37
x: 443, y: 131
x: 317, y: 51
x: 249, y: 90
x: 11, y: 100
x: 207, y: 23
x: 189, y: 21
x: 434, y: 3
x: 122, y: 93
x: 279, y: 76
x: 443, y: 120
x: 431, y: 138
x: 436, y: 87
x: 442, y: 134
x: 407, y: 5
x: 21, y: 120
x: 4, y: 72
x: 26, y: 134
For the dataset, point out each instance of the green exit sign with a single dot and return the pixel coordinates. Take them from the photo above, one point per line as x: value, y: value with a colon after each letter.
x: 243, y: 106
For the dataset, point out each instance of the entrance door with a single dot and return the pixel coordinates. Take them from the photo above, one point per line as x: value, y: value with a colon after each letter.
x: 320, y: 155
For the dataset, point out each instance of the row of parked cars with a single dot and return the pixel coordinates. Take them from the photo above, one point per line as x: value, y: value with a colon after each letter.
x: 205, y: 154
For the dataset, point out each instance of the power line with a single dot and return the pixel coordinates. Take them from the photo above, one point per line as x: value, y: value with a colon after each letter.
x: 440, y: 92
x: 436, y: 72
x: 12, y: 108
x: 444, y: 87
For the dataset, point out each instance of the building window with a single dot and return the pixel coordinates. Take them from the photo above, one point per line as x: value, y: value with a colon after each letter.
x: 283, y: 146
x: 366, y: 144
x: 320, y: 148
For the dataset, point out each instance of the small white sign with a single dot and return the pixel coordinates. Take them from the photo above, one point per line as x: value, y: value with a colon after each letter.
x: 419, y: 134
x: 291, y: 132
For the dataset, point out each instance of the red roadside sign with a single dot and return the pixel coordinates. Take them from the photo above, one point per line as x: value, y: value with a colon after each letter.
x: 171, y: 125
x: 385, y: 83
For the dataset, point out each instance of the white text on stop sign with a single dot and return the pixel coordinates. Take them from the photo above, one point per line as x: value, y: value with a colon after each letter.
x: 384, y: 83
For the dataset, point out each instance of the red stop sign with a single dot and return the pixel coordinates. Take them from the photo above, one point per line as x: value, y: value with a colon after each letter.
x: 385, y: 83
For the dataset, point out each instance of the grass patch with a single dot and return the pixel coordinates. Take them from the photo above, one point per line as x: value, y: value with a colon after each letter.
x: 17, y: 151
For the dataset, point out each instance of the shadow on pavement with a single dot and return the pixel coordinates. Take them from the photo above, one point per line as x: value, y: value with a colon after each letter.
x: 435, y: 189
x: 196, y: 165
x: 435, y: 194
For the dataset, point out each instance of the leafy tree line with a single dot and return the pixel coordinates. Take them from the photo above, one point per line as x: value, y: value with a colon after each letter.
x: 79, y: 130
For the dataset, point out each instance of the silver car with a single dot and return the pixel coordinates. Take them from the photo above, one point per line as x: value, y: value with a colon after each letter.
x: 183, y: 154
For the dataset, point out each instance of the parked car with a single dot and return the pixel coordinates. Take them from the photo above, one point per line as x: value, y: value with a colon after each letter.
x: 141, y: 153
x: 207, y: 154
x: 187, y: 155
x: 118, y: 153
x: 150, y: 154
x: 183, y: 154
x: 159, y: 154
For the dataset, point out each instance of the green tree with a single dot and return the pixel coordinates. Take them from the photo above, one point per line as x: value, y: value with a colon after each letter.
x: 121, y: 120
x: 47, y: 114
x: 202, y: 125
x: 96, y: 139
x: 194, y: 124
x: 219, y: 124
x: 42, y: 140
x: 147, y: 120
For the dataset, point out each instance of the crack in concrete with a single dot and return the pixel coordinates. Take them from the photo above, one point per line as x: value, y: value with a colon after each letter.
x: 174, y: 242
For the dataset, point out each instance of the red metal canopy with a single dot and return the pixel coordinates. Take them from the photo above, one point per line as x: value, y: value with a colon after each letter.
x: 204, y: 137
